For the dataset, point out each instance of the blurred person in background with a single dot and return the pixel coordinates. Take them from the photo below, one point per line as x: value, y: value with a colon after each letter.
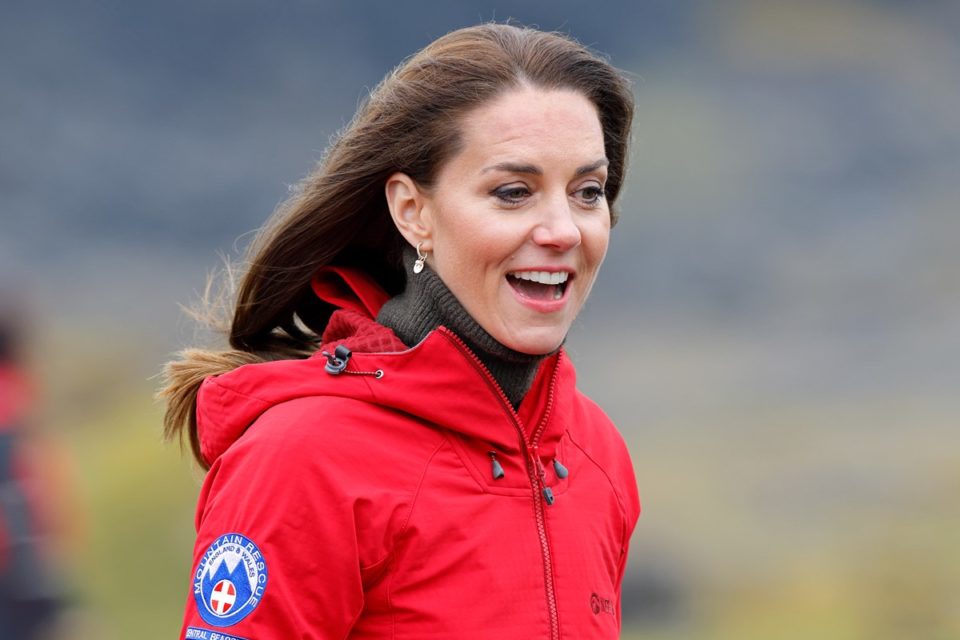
x: 395, y: 443
x: 30, y: 594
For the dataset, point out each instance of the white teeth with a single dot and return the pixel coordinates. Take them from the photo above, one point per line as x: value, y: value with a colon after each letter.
x: 543, y: 277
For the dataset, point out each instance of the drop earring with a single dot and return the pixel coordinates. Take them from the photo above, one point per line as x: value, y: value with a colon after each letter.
x: 421, y: 258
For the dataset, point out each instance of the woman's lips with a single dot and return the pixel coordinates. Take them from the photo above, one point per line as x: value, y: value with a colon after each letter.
x: 541, y: 290
x: 536, y: 290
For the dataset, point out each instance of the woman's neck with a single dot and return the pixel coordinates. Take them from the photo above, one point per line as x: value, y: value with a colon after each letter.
x: 427, y: 303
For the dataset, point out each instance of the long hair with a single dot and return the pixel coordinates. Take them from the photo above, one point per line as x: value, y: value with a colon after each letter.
x: 338, y: 215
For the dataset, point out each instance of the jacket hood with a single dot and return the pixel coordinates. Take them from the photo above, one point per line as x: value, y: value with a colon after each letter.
x: 439, y: 380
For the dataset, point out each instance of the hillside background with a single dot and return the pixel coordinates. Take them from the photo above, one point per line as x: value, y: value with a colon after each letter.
x: 776, y: 330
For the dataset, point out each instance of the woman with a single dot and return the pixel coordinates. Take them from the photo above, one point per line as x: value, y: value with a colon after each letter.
x: 404, y: 453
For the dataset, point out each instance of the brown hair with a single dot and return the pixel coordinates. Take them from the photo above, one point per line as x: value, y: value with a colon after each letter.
x: 339, y: 214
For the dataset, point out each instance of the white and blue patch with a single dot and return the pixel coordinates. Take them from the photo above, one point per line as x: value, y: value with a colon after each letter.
x: 230, y: 580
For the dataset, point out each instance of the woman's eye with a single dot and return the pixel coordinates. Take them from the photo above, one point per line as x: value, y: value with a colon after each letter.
x: 512, y: 194
x: 592, y: 194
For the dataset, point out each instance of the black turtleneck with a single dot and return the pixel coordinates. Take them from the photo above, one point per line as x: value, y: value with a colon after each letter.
x: 427, y: 303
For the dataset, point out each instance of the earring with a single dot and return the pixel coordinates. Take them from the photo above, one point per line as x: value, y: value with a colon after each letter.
x: 421, y: 258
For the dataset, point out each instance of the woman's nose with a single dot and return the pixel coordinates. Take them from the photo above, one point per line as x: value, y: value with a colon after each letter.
x: 557, y: 227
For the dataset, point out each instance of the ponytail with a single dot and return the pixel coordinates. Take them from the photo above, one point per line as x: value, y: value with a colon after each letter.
x: 181, y: 382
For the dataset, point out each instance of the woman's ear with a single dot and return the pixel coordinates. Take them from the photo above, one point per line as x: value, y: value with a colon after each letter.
x: 406, y: 202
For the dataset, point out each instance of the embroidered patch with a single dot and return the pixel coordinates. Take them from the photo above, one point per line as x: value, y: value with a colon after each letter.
x: 196, y: 633
x: 230, y: 580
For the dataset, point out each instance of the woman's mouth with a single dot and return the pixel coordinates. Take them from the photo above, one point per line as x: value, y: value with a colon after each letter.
x: 539, y: 285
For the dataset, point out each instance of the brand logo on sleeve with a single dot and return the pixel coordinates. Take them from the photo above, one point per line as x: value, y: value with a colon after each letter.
x: 601, y: 605
x: 230, y: 580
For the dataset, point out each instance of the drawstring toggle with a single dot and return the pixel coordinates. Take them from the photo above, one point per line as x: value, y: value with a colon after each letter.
x: 337, y: 361
x: 496, y: 468
x: 561, y: 470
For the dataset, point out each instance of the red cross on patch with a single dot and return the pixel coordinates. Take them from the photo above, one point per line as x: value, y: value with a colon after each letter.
x: 223, y: 597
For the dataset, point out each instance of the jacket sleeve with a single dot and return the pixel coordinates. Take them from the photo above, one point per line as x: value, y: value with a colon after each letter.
x: 276, y: 554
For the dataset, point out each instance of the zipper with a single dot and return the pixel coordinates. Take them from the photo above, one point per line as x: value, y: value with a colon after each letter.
x: 535, y: 471
x: 547, y: 491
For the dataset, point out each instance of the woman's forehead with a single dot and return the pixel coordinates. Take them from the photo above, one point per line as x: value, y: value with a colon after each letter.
x: 533, y: 125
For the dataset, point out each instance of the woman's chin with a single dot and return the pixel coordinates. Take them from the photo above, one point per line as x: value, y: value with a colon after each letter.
x: 532, y: 341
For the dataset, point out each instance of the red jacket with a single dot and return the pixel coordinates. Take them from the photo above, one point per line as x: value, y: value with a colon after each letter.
x: 403, y: 497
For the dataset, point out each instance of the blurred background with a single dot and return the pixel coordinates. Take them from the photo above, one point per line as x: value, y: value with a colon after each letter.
x: 776, y: 330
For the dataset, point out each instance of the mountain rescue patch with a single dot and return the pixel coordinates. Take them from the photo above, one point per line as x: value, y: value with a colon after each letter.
x: 230, y: 580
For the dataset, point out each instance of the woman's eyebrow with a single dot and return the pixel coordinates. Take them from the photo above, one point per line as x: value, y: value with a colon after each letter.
x: 593, y: 166
x: 512, y: 167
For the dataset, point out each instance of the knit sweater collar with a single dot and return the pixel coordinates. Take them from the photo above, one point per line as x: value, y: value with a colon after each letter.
x: 427, y: 303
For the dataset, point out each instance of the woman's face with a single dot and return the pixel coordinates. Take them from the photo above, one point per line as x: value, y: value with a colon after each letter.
x: 516, y: 223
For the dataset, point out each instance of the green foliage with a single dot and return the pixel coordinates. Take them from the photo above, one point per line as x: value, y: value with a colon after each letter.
x: 137, y: 496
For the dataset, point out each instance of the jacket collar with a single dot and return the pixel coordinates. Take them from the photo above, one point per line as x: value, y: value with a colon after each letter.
x: 439, y: 380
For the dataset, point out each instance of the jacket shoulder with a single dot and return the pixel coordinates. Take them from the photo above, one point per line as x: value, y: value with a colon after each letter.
x: 594, y: 429
x: 350, y: 443
x: 593, y: 432
x: 321, y: 460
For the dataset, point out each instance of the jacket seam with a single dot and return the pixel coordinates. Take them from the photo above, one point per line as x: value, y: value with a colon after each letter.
x: 353, y: 622
x: 413, y: 502
x: 613, y: 486
x: 406, y: 523
x: 485, y: 375
x: 468, y: 465
x: 219, y: 385
x: 389, y: 554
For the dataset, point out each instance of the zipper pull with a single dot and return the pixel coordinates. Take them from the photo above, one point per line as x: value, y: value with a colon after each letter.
x: 561, y: 470
x: 548, y: 495
x: 496, y: 468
